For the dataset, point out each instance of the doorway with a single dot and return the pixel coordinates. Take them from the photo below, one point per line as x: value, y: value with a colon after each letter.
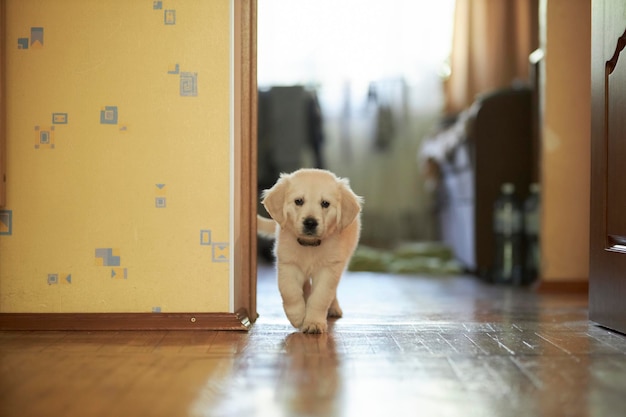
x: 368, y: 86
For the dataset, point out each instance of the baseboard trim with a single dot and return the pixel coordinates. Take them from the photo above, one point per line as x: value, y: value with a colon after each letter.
x: 562, y: 287
x: 125, y: 321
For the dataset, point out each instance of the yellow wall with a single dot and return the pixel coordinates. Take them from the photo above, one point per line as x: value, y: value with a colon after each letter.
x: 566, y: 140
x: 118, y: 157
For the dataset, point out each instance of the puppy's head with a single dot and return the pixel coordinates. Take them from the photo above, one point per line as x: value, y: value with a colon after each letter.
x: 312, y: 204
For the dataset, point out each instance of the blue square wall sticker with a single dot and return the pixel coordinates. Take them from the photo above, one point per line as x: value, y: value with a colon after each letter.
x: 36, y: 37
x: 220, y: 252
x: 108, y: 115
x: 108, y: 257
x: 205, y: 237
x: 59, y: 118
x: 169, y: 17
x: 188, y: 84
x: 6, y: 222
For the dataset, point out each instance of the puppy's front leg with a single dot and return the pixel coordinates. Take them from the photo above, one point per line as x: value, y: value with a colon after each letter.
x: 290, y: 284
x: 323, y: 294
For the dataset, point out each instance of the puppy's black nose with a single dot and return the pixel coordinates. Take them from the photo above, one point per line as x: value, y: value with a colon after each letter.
x: 309, y: 224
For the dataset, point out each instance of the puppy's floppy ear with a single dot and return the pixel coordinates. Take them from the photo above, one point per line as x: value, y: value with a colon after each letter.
x: 274, y: 199
x: 350, y: 204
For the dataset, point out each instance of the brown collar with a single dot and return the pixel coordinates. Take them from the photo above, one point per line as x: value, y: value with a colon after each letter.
x: 315, y: 242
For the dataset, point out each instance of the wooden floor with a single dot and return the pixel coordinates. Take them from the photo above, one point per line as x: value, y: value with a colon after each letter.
x: 419, y: 346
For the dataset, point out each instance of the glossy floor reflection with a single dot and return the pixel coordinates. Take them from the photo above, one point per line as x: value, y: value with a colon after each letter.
x: 435, y: 347
x: 428, y: 346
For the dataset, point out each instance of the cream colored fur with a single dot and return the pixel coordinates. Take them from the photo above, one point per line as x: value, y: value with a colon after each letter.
x: 316, y: 223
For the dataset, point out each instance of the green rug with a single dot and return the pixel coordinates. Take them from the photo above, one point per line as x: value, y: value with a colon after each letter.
x: 407, y: 258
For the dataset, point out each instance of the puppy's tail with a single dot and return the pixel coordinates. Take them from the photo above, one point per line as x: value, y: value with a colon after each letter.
x: 265, y: 227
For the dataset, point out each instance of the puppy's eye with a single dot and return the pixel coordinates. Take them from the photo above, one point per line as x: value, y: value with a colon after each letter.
x: 299, y: 201
x: 325, y: 204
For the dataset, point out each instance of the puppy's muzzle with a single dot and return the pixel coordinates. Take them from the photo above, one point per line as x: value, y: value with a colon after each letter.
x: 309, y: 226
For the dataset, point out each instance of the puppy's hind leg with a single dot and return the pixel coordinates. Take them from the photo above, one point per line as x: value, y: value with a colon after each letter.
x: 290, y: 284
x: 334, y: 310
x: 306, y: 289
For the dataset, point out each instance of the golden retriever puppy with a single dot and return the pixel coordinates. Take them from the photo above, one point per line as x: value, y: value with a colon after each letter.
x: 316, y: 223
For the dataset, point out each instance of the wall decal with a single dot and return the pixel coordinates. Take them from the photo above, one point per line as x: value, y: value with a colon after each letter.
x: 205, y: 237
x: 220, y: 252
x: 108, y: 115
x: 63, y: 278
x: 160, y: 199
x: 170, y: 17
x: 36, y: 38
x: 174, y: 70
x: 6, y: 222
x: 44, y: 137
x: 188, y: 84
x: 119, y: 273
x: 34, y: 42
x: 108, y: 257
x: 59, y: 118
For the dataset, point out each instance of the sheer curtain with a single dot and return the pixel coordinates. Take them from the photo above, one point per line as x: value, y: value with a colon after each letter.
x: 490, y: 48
x: 329, y: 41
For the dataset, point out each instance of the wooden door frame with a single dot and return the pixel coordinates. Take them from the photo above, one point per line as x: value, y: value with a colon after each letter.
x: 2, y: 106
x: 245, y: 261
x: 244, y: 210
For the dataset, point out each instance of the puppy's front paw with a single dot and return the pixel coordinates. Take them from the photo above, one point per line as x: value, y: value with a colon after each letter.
x: 314, y: 327
x: 295, y: 316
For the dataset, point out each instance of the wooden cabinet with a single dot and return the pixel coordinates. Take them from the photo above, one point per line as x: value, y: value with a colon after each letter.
x: 494, y: 146
x: 607, y: 280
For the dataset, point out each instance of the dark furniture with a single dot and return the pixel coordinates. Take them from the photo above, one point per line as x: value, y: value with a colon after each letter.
x: 489, y: 144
